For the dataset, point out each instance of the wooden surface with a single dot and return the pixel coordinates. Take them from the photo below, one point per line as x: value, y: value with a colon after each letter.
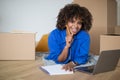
x: 29, y: 70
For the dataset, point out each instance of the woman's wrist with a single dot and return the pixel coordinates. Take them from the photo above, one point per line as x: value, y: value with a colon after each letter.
x: 66, y: 47
x: 74, y: 63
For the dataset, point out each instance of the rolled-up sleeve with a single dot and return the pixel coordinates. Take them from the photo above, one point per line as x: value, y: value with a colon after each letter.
x: 53, y: 47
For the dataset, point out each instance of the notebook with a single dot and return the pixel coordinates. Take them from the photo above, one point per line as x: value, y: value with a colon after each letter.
x: 55, y: 70
x: 107, y: 61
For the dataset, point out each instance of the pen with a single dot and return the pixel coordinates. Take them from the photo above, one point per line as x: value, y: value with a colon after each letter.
x: 68, y: 30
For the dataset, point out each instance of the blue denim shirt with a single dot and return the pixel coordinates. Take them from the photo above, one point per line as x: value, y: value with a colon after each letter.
x: 78, y: 52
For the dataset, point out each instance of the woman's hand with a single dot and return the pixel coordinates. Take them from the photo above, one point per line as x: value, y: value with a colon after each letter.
x: 69, y: 39
x: 69, y: 36
x: 69, y: 66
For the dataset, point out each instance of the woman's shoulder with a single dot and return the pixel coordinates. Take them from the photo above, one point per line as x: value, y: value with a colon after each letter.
x: 57, y: 31
x: 83, y: 34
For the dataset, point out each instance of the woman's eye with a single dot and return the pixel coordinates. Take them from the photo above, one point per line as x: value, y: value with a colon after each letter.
x: 72, y: 21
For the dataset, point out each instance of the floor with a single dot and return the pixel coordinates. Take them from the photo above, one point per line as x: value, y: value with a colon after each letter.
x: 29, y: 70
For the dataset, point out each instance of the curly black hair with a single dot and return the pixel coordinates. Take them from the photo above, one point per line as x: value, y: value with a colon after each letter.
x: 71, y: 11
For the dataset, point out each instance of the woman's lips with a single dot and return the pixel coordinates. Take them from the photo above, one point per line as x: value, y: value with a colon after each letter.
x: 74, y: 30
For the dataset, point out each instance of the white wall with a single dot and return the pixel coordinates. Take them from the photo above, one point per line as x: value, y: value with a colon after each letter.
x: 30, y: 15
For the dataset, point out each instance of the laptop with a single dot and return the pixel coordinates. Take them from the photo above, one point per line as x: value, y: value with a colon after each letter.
x: 107, y: 61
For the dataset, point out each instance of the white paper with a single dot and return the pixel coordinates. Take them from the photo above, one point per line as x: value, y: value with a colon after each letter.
x: 55, y: 70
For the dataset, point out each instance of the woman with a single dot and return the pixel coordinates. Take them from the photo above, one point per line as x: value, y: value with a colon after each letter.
x: 69, y: 43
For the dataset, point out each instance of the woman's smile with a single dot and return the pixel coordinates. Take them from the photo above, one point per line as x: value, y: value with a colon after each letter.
x: 74, y: 26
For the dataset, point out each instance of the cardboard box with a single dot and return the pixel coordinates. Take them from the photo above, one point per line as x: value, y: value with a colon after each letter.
x: 117, y: 30
x: 110, y: 42
x: 17, y: 46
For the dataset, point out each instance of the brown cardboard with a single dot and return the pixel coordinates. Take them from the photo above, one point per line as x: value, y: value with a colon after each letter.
x: 110, y: 42
x: 117, y: 30
x: 17, y: 46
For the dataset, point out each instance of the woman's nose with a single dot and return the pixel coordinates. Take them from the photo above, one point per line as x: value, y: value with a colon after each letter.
x: 75, y: 25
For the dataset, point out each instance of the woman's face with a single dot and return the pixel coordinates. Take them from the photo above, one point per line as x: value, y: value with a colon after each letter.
x: 74, y: 26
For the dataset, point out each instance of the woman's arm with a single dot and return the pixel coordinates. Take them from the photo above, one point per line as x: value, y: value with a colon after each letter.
x: 62, y: 57
x: 69, y: 38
